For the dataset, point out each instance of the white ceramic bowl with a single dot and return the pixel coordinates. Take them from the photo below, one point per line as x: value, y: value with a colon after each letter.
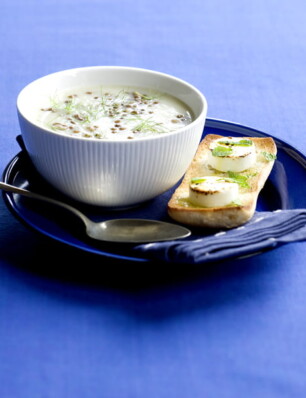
x: 107, y: 172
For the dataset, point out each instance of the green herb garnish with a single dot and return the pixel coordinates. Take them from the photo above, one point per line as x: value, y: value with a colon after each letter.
x: 236, y: 143
x: 221, y: 151
x: 240, y: 179
x: 197, y: 180
x: 244, y: 143
x: 269, y: 156
x: 235, y: 203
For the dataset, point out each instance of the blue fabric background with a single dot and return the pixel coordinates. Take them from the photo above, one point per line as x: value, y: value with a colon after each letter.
x: 78, y: 325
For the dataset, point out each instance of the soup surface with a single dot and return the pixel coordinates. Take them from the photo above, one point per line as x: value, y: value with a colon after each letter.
x: 115, y: 113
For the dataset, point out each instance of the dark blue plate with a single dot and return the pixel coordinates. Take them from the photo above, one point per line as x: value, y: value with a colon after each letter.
x: 285, y: 189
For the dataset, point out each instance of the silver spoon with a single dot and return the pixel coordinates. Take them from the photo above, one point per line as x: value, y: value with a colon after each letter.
x: 123, y: 230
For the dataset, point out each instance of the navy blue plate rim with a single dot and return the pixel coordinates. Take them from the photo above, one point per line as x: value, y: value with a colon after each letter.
x: 121, y: 253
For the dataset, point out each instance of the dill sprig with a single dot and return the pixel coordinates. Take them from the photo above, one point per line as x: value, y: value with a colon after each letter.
x: 147, y: 125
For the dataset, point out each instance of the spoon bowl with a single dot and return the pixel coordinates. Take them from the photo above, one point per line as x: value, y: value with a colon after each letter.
x: 124, y: 230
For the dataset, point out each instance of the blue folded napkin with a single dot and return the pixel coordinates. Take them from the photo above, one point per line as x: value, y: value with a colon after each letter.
x: 265, y: 230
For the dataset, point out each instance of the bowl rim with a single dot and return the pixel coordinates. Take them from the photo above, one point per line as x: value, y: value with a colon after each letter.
x: 104, y: 67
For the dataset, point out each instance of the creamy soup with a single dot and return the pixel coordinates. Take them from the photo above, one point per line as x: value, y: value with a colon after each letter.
x: 114, y: 113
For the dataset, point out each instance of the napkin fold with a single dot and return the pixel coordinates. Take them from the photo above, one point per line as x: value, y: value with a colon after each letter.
x: 265, y: 230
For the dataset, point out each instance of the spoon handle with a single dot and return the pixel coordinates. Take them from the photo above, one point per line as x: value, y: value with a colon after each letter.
x: 33, y: 195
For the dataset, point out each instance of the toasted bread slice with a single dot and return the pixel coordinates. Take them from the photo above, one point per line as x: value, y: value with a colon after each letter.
x: 181, y: 209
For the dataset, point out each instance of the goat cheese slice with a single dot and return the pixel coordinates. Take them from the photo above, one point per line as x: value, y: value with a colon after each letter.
x: 231, y: 154
x: 212, y: 191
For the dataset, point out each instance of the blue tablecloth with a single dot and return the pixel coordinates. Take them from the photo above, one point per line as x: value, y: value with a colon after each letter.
x: 78, y: 325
